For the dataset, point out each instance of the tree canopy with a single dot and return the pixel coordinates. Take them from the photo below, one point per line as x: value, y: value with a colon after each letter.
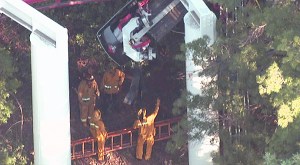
x: 256, y: 87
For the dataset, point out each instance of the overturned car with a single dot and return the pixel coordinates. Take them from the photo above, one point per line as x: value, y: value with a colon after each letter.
x: 132, y: 33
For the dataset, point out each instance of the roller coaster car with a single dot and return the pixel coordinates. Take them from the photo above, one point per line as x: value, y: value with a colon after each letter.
x: 116, y: 36
x: 132, y: 33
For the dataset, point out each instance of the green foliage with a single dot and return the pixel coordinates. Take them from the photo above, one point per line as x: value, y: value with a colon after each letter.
x: 270, y: 82
x: 14, y: 50
x: 286, y: 141
x: 270, y: 159
x: 6, y: 63
x: 255, y: 74
x: 8, y: 84
x: 179, y: 105
x: 200, y: 51
x: 278, y: 84
x: 12, y: 156
x: 287, y: 101
x: 291, y: 63
x: 179, y: 139
x: 201, y: 120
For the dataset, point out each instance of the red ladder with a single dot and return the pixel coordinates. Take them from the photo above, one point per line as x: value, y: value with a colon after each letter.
x: 121, y: 139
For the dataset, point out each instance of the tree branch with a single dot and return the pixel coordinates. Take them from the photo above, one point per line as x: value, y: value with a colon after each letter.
x: 254, y: 35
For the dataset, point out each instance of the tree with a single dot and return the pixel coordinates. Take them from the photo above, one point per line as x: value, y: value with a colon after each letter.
x: 8, y: 84
x: 255, y: 61
x: 270, y: 159
x: 11, y: 152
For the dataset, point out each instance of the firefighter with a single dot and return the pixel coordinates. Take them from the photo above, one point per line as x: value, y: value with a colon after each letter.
x: 99, y: 132
x: 87, y: 93
x: 112, y: 80
x: 111, y: 84
x: 146, y: 131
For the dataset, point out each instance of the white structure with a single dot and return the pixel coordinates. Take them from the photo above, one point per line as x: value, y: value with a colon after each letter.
x: 50, y: 83
x: 199, y: 21
x: 127, y: 29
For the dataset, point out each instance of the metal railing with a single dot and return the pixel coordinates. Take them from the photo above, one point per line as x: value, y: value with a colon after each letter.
x: 120, y: 139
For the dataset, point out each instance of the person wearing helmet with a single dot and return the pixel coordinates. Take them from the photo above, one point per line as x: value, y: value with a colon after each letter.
x: 112, y: 80
x: 111, y: 84
x: 87, y: 93
x: 146, y: 131
x: 99, y: 132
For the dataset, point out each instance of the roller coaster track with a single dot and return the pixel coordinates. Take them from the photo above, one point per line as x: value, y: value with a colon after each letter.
x: 51, y: 4
x: 121, y: 139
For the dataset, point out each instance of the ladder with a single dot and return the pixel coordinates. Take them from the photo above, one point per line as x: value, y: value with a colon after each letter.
x: 120, y: 139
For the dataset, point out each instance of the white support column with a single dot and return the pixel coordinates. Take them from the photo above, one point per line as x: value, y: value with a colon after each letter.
x: 50, y: 95
x: 199, y: 21
x: 50, y: 83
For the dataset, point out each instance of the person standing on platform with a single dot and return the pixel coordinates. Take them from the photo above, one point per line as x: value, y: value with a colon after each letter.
x: 87, y: 94
x: 111, y: 85
x: 99, y: 132
x: 146, y: 131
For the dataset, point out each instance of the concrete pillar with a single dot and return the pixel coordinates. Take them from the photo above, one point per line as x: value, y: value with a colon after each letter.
x: 200, y: 149
x: 50, y: 83
x: 50, y: 99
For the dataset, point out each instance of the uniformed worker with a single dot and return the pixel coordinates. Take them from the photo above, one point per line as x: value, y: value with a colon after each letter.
x: 146, y: 131
x: 112, y: 80
x: 99, y: 132
x: 87, y: 93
